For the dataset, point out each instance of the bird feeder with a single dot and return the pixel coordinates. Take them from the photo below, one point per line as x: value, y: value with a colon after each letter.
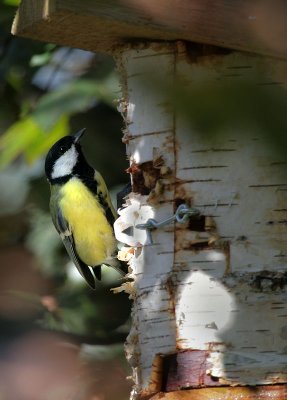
x: 210, y: 270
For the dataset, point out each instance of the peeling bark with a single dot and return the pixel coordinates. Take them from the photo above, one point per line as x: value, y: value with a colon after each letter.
x: 210, y: 294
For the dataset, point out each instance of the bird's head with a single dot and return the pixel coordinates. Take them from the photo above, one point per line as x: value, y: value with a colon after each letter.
x: 63, y: 157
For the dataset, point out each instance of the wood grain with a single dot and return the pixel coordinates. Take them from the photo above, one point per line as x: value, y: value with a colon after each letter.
x: 258, y: 27
x: 275, y: 392
x: 186, y: 369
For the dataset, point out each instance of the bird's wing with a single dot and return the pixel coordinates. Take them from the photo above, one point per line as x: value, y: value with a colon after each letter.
x: 104, y: 198
x: 111, y: 215
x: 65, y: 232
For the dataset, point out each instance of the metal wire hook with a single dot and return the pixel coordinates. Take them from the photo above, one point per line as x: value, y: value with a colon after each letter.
x: 182, y: 214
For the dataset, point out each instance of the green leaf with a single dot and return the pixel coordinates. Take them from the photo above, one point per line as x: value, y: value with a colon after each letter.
x: 43, y: 141
x: 29, y: 138
x: 16, y: 139
x: 37, y: 60
x: 74, y: 97
x: 34, y: 134
x: 40, y: 59
x: 12, y: 2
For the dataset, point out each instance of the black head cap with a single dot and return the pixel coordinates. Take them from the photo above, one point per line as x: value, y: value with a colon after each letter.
x: 63, y: 156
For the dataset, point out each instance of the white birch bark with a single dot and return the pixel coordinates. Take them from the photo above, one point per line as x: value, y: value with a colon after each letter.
x: 215, y: 299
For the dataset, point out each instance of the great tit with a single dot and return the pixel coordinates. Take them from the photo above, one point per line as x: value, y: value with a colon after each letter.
x: 81, y: 208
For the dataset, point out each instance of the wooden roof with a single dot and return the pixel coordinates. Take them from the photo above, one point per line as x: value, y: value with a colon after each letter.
x: 257, y: 26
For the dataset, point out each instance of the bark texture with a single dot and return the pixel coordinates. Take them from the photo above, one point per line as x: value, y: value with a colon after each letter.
x: 210, y: 295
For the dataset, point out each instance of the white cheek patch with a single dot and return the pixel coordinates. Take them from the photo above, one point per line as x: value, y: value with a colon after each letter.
x: 65, y: 164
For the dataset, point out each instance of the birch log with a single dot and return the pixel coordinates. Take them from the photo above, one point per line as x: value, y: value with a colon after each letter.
x: 210, y: 297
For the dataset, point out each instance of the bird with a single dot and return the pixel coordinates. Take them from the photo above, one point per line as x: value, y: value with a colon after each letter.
x: 81, y: 209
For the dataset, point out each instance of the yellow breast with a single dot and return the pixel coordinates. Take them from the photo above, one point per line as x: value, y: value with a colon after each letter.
x: 93, y: 235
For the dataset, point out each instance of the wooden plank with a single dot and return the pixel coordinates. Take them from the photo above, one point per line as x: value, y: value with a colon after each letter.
x: 103, y: 25
x: 276, y: 392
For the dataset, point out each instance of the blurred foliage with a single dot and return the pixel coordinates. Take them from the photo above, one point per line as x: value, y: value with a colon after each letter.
x: 12, y: 2
x: 43, y: 241
x: 28, y: 138
x: 214, y: 109
x: 43, y: 123
x: 243, y: 100
x: 84, y: 82
x: 47, y: 92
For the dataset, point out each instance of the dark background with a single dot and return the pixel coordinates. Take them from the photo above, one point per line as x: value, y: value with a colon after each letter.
x: 58, y: 339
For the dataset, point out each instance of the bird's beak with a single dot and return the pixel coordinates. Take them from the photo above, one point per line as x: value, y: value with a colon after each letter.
x: 77, y: 136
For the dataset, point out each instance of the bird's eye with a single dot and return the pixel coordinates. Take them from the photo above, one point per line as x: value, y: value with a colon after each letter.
x: 62, y: 149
